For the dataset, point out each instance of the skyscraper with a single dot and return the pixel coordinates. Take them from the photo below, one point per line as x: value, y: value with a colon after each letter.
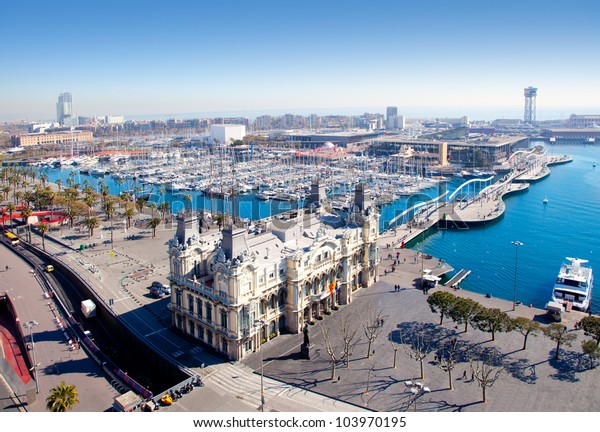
x: 391, y: 116
x: 64, y: 107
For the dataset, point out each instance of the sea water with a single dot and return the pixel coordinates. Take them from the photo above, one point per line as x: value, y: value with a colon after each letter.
x: 567, y: 226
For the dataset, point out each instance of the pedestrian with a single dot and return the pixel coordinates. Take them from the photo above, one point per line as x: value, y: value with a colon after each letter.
x: 464, y: 376
x: 472, y: 376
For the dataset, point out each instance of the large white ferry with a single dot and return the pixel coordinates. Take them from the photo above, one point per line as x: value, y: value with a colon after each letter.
x: 574, y: 284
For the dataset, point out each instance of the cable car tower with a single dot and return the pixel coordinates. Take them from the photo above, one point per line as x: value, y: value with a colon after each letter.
x: 530, y: 95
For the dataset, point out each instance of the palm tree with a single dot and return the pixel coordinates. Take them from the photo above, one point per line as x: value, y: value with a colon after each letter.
x: 25, y: 213
x: 18, y: 195
x: 139, y: 204
x: 91, y: 223
x: 62, y: 398
x: 164, y: 207
x: 43, y: 178
x: 153, y: 223
x: 59, y: 184
x: 43, y: 229
x: 129, y: 212
x: 152, y: 206
x: 120, y: 182
x: 110, y: 212
x: 187, y: 199
x: 10, y: 208
x: 6, y: 190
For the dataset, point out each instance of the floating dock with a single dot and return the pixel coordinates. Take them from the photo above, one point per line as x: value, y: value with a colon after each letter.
x: 458, y: 278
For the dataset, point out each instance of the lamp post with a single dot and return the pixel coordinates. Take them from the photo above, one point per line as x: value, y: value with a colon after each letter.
x: 261, y: 324
x: 30, y: 325
x: 517, y: 244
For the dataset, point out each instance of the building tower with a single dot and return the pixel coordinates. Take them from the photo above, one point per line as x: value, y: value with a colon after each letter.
x: 64, y: 107
x: 530, y: 94
x: 391, y: 116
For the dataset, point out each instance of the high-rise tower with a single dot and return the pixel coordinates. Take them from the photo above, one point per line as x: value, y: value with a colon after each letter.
x: 530, y: 95
x: 391, y: 116
x: 64, y: 107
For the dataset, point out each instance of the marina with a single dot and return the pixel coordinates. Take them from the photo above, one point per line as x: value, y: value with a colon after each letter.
x: 476, y: 200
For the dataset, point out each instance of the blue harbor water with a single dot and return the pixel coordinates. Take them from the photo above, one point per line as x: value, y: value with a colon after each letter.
x: 566, y: 226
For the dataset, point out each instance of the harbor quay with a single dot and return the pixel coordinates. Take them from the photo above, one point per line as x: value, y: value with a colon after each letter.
x: 123, y: 273
x: 296, y: 384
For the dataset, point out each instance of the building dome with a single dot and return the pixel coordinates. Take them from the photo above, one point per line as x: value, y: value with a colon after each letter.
x: 328, y: 145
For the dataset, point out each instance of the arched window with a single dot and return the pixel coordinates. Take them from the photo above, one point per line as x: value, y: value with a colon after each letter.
x: 282, y: 293
x: 273, y: 301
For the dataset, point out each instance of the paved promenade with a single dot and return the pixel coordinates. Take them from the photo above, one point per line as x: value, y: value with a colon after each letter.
x: 530, y: 380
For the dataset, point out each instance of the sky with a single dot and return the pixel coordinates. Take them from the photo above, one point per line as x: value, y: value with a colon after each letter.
x: 429, y: 58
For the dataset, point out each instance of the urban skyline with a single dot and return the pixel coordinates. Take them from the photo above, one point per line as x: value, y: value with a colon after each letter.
x: 267, y: 58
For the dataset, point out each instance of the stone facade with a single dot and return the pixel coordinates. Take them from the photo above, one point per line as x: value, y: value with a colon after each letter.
x: 238, y: 288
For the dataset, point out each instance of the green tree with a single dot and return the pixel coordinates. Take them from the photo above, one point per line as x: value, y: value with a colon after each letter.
x: 591, y: 327
x: 140, y: 204
x: 43, y: 229
x: 592, y: 350
x: 558, y: 333
x: 10, y: 208
x: 91, y: 223
x: 464, y: 311
x: 187, y: 199
x: 526, y: 327
x: 220, y: 219
x: 59, y: 184
x: 164, y: 207
x: 62, y: 398
x: 154, y: 223
x: 6, y: 190
x: 441, y: 302
x: 25, y: 213
x: 129, y: 213
x: 492, y: 320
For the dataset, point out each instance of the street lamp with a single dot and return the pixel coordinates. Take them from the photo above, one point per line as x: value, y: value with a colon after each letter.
x: 30, y: 325
x: 517, y: 244
x: 261, y: 324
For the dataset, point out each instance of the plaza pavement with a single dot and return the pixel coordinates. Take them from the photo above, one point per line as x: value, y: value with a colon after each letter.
x: 531, y: 380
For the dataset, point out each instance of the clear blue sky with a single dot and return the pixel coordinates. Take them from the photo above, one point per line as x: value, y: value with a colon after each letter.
x: 142, y: 57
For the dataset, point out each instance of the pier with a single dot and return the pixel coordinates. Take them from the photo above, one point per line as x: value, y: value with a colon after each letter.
x: 458, y: 278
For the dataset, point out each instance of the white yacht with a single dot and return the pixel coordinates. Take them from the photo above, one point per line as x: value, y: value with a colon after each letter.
x: 574, y: 284
x: 266, y: 195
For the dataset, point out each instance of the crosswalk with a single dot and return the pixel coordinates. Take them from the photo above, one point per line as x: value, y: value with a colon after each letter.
x: 241, y: 382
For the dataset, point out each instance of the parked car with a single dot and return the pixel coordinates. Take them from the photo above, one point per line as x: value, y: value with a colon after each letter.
x: 157, y: 292
x: 166, y: 289
x: 156, y: 284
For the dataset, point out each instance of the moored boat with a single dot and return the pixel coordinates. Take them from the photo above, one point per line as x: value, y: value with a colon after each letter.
x: 573, y: 287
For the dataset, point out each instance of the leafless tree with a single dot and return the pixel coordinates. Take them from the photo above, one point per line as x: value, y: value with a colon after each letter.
x: 417, y: 346
x: 371, y: 367
x: 331, y: 351
x: 485, y: 373
x: 448, y: 361
x: 349, y: 337
x: 372, y: 324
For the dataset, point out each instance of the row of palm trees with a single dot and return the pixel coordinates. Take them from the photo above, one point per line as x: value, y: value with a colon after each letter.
x: 75, y: 201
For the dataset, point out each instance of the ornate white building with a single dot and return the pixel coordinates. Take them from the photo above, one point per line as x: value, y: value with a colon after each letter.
x: 225, y: 284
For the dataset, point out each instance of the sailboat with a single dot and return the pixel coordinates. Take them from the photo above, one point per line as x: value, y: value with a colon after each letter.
x: 545, y: 200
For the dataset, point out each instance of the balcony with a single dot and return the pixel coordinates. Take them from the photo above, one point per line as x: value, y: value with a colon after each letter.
x: 204, y: 286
